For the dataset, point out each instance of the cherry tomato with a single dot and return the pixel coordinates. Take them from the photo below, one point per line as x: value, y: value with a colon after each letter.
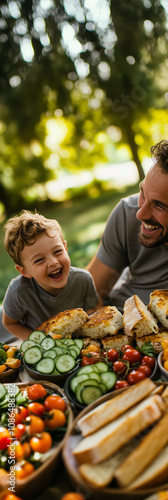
x: 132, y: 355
x: 126, y: 346
x: 120, y: 367
x: 111, y: 354
x: 23, y: 470
x: 54, y: 401
x: 35, y: 424
x: 56, y: 418
x: 90, y: 348
x: 165, y: 354
x: 36, y: 391
x: 5, y: 438
x: 21, y: 450
x: 36, y: 408
x: 145, y: 369
x: 89, y: 360
x: 165, y: 364
x: 148, y: 360
x: 11, y: 496
x: 20, y: 414
x: 18, y: 431
x: 120, y: 384
x: 72, y: 496
x: 135, y: 376
x: 42, y: 443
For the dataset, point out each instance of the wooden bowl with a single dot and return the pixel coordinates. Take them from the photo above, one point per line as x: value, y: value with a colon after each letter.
x: 10, y: 375
x: 56, y: 379
x: 40, y: 479
x: 71, y: 465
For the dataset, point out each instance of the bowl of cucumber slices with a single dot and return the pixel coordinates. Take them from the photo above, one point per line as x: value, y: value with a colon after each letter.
x: 50, y: 359
x: 89, y: 383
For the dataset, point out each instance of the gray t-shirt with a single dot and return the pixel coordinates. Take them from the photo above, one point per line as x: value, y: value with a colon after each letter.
x: 26, y: 301
x: 145, y: 269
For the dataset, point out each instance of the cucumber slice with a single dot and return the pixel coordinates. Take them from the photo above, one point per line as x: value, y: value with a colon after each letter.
x: 69, y: 342
x: 79, y: 343
x: 49, y: 353
x: 86, y: 369
x: 95, y: 376
x: 77, y: 380
x: 90, y: 394
x: 60, y: 350
x: 103, y: 387
x: 74, y: 348
x: 109, y: 379
x: 45, y: 365
x: 65, y: 363
x: 59, y: 342
x: 102, y: 367
x: 3, y: 391
x: 80, y: 386
x: 26, y: 344
x: 37, y: 336
x: 47, y: 343
x: 32, y: 355
x: 72, y: 352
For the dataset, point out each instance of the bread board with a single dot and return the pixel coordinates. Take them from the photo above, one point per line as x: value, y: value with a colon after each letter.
x: 71, y: 465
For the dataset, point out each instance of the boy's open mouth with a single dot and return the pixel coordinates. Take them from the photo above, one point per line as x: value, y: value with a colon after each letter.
x: 56, y: 274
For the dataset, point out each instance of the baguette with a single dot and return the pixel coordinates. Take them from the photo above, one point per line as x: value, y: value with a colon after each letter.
x: 106, y: 321
x: 114, y: 407
x: 156, y: 473
x: 65, y: 322
x: 159, y: 306
x: 107, y: 440
x: 137, y: 320
x: 148, y: 449
x: 100, y: 475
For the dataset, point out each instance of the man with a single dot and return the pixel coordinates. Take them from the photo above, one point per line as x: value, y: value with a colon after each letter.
x: 134, y: 244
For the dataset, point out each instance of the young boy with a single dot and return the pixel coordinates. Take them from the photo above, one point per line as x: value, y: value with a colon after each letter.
x: 47, y: 283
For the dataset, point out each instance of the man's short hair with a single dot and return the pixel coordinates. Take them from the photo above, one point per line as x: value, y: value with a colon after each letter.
x: 23, y: 229
x: 159, y: 153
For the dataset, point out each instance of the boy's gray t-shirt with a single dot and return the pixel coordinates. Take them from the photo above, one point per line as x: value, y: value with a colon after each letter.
x: 26, y: 301
x: 146, y: 269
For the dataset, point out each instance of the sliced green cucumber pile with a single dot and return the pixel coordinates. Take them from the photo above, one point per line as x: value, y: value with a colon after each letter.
x: 51, y: 356
x: 6, y: 395
x: 92, y: 381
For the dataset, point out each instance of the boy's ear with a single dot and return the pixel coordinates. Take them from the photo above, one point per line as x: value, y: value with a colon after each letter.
x: 65, y: 245
x: 22, y: 270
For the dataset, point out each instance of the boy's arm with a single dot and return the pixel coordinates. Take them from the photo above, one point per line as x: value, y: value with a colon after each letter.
x: 16, y: 327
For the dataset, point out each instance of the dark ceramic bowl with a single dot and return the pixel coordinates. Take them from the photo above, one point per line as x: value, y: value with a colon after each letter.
x: 56, y: 379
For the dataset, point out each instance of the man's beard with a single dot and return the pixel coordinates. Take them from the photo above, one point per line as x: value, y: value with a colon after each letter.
x: 144, y: 240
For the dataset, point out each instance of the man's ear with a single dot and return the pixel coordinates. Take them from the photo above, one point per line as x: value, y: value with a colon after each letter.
x: 22, y: 270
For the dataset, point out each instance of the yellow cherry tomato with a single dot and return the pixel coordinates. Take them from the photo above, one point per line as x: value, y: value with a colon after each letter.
x: 165, y: 364
x: 164, y: 343
x: 165, y: 354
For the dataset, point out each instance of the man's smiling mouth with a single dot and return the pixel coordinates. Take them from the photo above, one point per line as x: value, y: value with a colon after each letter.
x: 149, y: 227
x: 56, y: 274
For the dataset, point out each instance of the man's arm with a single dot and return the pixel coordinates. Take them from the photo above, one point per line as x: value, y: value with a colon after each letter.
x: 15, y: 327
x: 104, y: 277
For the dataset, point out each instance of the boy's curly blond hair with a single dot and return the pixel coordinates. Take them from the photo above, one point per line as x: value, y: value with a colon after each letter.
x: 23, y: 229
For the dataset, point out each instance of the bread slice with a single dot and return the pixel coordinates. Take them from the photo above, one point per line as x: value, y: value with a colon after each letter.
x: 106, y: 321
x: 155, y: 339
x: 100, y: 475
x: 116, y: 341
x: 147, y: 450
x: 65, y: 322
x: 159, y: 306
x: 114, y: 407
x: 156, y: 473
x: 137, y: 320
x: 107, y: 440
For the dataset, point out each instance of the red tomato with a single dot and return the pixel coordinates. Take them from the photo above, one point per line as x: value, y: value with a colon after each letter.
x: 148, y: 360
x: 5, y: 438
x: 89, y: 360
x: 54, y: 402
x: 120, y: 367
x: 145, y: 369
x: 36, y: 408
x: 120, y: 384
x: 36, y: 391
x: 18, y: 431
x: 111, y: 355
x: 132, y: 355
x: 135, y: 376
x: 126, y: 346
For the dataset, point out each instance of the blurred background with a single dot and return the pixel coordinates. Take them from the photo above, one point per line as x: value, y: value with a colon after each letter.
x: 83, y: 96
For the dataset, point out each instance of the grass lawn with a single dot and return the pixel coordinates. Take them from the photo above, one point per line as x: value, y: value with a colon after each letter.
x: 82, y: 222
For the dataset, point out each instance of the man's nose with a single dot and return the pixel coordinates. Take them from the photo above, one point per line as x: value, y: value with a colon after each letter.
x: 144, y: 212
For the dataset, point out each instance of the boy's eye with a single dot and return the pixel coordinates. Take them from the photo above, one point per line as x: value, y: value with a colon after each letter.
x: 39, y: 260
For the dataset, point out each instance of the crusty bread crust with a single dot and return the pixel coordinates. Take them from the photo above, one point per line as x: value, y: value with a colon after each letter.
x: 65, y: 322
x: 105, y: 321
x: 159, y: 306
x: 116, y: 341
x: 155, y: 340
x: 137, y: 320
